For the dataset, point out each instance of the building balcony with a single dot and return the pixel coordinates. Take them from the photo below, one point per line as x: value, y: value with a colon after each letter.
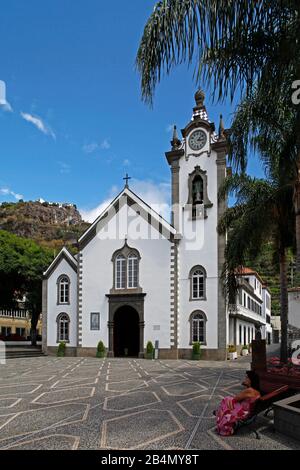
x: 247, y: 315
x: 20, y: 314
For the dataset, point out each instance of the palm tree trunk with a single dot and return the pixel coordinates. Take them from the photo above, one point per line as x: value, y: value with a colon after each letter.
x: 284, y: 306
x: 297, y: 190
x: 297, y: 211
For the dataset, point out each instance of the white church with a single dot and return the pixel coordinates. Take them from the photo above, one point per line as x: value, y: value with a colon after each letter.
x: 138, y: 278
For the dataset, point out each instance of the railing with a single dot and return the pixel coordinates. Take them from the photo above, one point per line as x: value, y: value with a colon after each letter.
x: 14, y: 313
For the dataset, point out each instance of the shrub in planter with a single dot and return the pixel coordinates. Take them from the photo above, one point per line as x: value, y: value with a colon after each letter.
x: 232, y: 351
x: 100, y: 349
x: 149, y: 350
x: 61, y: 350
x: 196, y: 351
x: 245, y: 350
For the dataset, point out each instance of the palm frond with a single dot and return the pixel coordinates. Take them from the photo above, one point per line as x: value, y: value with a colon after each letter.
x: 230, y: 42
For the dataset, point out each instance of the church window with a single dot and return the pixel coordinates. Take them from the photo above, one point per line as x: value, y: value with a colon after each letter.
x: 198, y: 327
x: 120, y: 272
x: 132, y: 264
x: 126, y: 268
x: 63, y: 327
x: 198, y: 281
x: 63, y: 290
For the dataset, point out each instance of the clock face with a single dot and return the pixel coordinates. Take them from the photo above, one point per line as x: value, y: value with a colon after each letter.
x: 197, y: 140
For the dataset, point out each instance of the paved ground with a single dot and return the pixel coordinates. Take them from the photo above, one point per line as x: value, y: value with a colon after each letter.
x: 78, y: 403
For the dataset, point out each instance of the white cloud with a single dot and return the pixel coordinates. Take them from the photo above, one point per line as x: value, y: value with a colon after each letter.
x: 65, y: 168
x: 9, y: 192
x: 170, y: 128
x: 90, y: 148
x: 126, y: 162
x: 93, y: 146
x: 155, y: 195
x: 39, y: 124
x: 105, y: 144
x: 6, y: 107
x: 4, y: 104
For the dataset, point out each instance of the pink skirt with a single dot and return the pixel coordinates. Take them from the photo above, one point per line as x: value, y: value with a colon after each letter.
x: 230, y: 412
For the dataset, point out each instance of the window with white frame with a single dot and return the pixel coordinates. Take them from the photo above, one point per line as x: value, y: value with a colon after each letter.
x: 63, y: 290
x: 198, y: 327
x: 63, y: 327
x: 120, y: 272
x: 126, y: 268
x: 132, y: 274
x: 198, y: 281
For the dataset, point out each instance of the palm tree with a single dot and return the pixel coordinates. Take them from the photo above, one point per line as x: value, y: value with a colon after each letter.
x: 263, y: 211
x: 235, y: 46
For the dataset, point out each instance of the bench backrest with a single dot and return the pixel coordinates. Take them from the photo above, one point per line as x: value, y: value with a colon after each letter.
x: 274, y: 393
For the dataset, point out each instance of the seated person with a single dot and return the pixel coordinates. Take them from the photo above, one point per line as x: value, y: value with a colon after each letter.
x: 240, y: 407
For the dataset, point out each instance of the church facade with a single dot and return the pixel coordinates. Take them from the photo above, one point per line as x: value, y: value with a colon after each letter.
x: 138, y: 278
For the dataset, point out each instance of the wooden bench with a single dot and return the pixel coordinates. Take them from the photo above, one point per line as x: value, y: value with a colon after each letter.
x: 263, y: 404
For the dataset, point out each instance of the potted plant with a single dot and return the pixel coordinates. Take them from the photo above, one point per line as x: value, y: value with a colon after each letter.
x: 149, y: 350
x: 245, y: 350
x: 61, y: 350
x: 232, y: 352
x: 196, y: 354
x: 100, y: 350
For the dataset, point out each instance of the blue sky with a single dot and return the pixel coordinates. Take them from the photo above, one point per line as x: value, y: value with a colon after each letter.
x: 77, y: 123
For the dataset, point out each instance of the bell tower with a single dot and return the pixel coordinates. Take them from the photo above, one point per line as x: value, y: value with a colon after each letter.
x: 198, y: 167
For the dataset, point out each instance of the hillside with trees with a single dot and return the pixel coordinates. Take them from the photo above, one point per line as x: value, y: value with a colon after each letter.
x: 51, y: 225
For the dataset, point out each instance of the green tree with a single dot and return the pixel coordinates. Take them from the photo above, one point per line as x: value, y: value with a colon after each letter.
x: 235, y: 46
x: 263, y: 211
x: 22, y: 263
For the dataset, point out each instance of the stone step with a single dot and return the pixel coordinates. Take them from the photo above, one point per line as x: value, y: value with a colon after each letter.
x: 22, y: 356
x: 14, y: 352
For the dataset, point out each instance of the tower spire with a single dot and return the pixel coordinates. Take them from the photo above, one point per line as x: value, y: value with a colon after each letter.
x: 221, y: 128
x: 199, y: 111
x: 175, y: 142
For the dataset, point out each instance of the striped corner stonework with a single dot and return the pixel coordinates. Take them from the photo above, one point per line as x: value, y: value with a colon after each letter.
x: 79, y: 300
x: 174, y: 296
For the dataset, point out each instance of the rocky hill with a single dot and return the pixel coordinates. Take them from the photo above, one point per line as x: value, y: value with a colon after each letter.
x: 50, y: 224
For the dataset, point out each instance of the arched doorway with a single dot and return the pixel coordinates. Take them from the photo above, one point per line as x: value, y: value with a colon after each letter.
x: 126, y: 332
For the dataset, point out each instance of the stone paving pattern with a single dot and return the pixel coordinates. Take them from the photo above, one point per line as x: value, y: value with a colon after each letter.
x: 86, y: 403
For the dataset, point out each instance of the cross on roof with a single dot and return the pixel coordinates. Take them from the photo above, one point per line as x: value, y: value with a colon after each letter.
x: 127, y: 178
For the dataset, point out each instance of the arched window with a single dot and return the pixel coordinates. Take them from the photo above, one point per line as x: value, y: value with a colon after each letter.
x: 198, y: 283
x: 126, y: 268
x: 198, y: 327
x: 63, y: 290
x: 63, y: 327
x: 120, y: 272
x: 132, y: 271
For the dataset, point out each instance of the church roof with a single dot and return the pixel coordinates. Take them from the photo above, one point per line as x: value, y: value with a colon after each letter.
x: 144, y: 209
x: 63, y: 254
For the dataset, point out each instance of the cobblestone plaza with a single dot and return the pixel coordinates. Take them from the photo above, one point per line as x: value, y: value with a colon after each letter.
x: 86, y: 403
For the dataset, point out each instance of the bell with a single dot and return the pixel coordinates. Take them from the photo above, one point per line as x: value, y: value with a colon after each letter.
x: 198, y: 198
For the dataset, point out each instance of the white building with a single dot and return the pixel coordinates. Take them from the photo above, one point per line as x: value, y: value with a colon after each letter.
x: 138, y: 278
x: 294, y: 316
x: 251, y: 318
